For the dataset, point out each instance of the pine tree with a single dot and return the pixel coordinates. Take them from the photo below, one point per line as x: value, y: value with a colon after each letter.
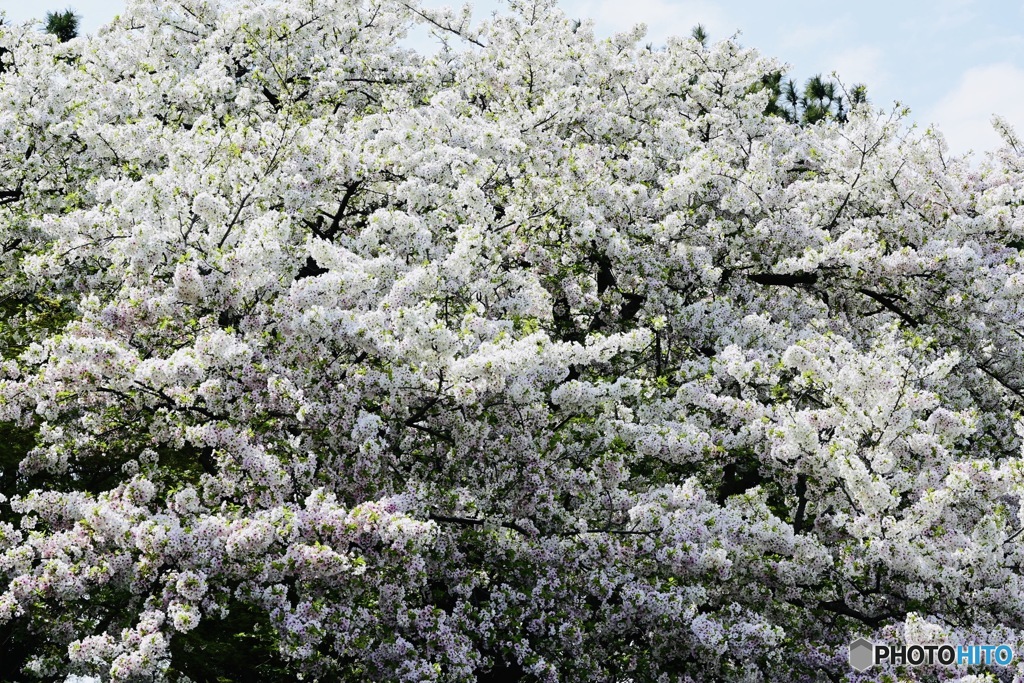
x: 64, y: 24
x: 700, y: 34
x: 820, y: 100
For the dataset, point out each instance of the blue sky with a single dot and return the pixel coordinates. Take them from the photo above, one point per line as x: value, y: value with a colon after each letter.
x: 953, y: 62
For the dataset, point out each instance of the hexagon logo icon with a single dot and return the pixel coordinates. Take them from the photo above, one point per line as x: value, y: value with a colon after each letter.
x: 862, y: 654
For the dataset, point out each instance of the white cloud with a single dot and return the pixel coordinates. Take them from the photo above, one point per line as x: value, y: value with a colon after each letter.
x: 964, y: 114
x: 664, y: 18
x: 953, y: 13
x: 989, y: 43
x: 804, y: 36
x: 862, y: 64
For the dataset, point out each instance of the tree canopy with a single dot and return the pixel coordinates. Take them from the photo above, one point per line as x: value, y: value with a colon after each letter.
x: 543, y: 358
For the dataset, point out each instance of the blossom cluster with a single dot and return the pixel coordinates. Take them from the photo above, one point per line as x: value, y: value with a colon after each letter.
x: 541, y: 357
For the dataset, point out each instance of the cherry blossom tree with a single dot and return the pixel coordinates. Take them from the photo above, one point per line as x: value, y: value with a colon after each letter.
x: 545, y: 357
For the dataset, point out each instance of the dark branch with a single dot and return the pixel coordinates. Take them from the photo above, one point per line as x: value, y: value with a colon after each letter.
x: 783, y: 279
x: 888, y: 301
x: 10, y: 196
x: 472, y: 521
